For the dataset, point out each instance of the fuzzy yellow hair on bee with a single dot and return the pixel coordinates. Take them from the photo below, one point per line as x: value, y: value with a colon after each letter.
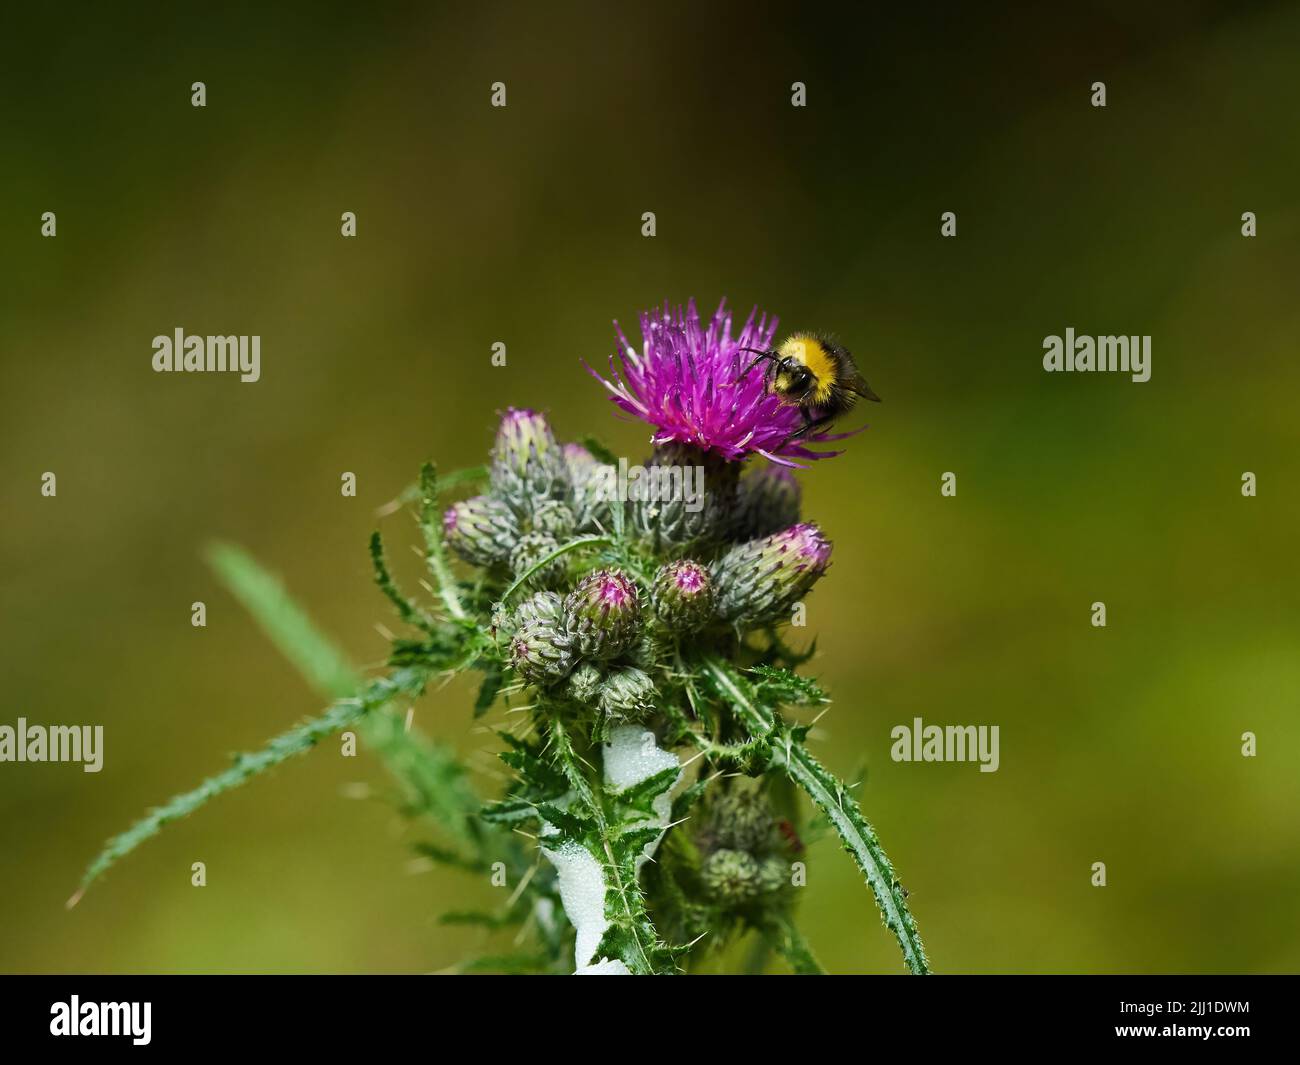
x: 814, y: 373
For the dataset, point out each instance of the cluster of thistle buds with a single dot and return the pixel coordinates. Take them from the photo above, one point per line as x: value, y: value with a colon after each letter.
x: 741, y: 559
x: 746, y: 851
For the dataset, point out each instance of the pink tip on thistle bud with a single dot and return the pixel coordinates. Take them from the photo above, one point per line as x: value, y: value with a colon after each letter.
x: 602, y: 614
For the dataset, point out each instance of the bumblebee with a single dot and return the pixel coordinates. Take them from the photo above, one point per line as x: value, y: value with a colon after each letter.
x: 813, y: 373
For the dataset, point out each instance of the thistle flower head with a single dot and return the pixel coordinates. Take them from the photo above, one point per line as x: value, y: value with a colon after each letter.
x: 523, y: 436
x: 761, y: 580
x: 554, y: 518
x: 679, y: 516
x: 689, y: 381
x: 545, y: 605
x: 626, y: 694
x: 578, y: 457
x: 588, y: 501
x: 530, y: 550
x: 768, y: 499
x: 481, y: 530
x: 732, y: 877
x: 584, y: 683
x: 740, y: 819
x: 540, y: 652
x: 527, y: 464
x: 601, y: 614
x: 683, y: 595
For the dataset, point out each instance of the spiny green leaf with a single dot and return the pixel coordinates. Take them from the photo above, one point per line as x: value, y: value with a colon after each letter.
x: 571, y: 826
x: 507, y: 811
x: 434, y: 553
x: 830, y: 796
x: 447, y: 856
x: 406, y: 610
x: 640, y: 796
x: 289, y: 628
x: 789, y: 942
x: 685, y: 802
x: 487, y: 693
x: 859, y: 839
x: 297, y: 740
x: 786, y: 686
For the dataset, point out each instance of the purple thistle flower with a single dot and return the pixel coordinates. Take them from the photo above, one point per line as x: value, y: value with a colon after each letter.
x: 689, y: 382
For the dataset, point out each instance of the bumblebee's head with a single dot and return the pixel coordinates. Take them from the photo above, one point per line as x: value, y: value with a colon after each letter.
x: 792, y: 379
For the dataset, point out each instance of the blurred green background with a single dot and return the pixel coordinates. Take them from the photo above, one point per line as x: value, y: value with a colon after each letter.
x: 522, y: 225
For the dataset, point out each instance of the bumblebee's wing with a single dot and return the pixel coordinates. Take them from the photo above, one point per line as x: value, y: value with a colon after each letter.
x: 861, y: 388
x: 851, y: 379
x: 857, y: 384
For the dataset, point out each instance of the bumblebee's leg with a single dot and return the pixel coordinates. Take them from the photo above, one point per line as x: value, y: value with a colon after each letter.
x: 764, y: 355
x: 809, y: 424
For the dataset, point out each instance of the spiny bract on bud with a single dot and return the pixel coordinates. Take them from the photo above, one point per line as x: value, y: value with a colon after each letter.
x: 589, y: 498
x: 774, y: 874
x: 529, y: 551
x: 545, y: 605
x: 554, y: 518
x: 732, y: 877
x: 686, y: 497
x: 540, y: 652
x: 683, y: 595
x: 740, y: 819
x: 646, y: 650
x: 759, y: 581
x: 601, y: 614
x: 768, y: 500
x: 527, y: 465
x: 627, y: 694
x: 584, y: 683
x: 481, y: 530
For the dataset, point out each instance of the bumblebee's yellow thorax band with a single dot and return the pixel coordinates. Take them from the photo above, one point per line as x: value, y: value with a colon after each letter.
x: 820, y: 362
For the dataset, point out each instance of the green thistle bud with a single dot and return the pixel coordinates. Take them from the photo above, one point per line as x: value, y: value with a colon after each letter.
x: 554, y: 518
x: 481, y: 530
x: 584, y: 683
x: 544, y: 605
x: 773, y: 874
x: 540, y: 652
x: 530, y: 550
x: 527, y: 465
x: 645, y: 651
x: 760, y: 581
x: 589, y: 496
x: 683, y: 596
x: 740, y: 819
x: 768, y: 500
x: 675, y: 519
x: 626, y: 694
x: 732, y: 877
x: 601, y: 614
